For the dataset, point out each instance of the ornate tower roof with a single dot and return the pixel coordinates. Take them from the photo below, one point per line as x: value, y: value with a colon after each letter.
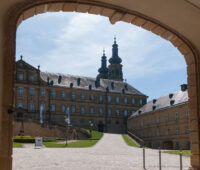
x: 115, y: 59
x: 103, y: 70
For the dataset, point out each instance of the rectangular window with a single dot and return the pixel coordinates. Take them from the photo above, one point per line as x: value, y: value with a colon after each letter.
x: 42, y: 92
x: 132, y: 101
x: 63, y: 108
x: 176, y: 116
x: 117, y: 112
x: 125, y: 100
x: 149, y: 121
x: 177, y: 146
x: 150, y: 133
x: 187, y: 115
x: 21, y: 76
x: 158, y: 132
x: 109, y: 112
x: 125, y: 113
x: 53, y: 107
x: 157, y: 119
x: 82, y: 110
x: 91, y: 110
x: 63, y: 95
x: 42, y: 106
x: 31, y: 106
x: 73, y: 96
x: 187, y: 130
x: 100, y: 111
x: 109, y: 99
x: 140, y: 102
x: 82, y: 96
x: 117, y: 99
x: 31, y: 78
x: 132, y: 112
x: 167, y: 132
x: 73, y: 109
x: 177, y: 131
x: 91, y: 97
x: 100, y: 98
x: 20, y: 90
x: 19, y: 105
x: 166, y: 118
x: 53, y: 93
x: 31, y: 91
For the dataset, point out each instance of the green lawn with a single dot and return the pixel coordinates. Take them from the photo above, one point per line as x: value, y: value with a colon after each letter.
x: 129, y: 141
x: 96, y: 136
x: 52, y: 142
x: 177, y: 152
x: 78, y: 144
x: 17, y: 145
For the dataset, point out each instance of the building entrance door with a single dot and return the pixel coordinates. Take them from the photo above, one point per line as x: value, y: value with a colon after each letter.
x: 101, y: 127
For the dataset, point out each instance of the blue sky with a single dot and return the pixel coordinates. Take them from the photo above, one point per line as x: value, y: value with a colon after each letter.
x: 72, y: 43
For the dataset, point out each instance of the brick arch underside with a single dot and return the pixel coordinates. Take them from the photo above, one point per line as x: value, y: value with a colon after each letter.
x: 25, y: 10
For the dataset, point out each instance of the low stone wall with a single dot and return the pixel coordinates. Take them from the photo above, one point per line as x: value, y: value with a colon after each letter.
x: 35, y: 129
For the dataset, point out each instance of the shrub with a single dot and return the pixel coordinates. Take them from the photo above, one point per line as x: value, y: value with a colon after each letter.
x: 24, y: 140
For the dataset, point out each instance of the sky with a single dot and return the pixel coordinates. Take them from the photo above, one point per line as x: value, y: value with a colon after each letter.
x: 73, y: 43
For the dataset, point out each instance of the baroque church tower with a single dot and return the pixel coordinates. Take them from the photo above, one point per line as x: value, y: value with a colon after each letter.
x: 115, y: 67
x: 103, y: 70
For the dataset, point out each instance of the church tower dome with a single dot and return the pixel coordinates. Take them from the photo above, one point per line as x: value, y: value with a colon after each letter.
x: 103, y: 70
x: 115, y: 67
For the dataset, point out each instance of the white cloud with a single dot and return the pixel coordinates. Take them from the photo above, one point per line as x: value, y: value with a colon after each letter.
x: 80, y: 38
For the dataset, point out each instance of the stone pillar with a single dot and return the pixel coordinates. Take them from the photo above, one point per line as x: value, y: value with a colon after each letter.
x: 193, y: 71
x: 7, y: 65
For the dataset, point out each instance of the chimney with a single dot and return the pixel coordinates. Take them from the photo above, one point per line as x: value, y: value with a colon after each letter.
x: 184, y: 87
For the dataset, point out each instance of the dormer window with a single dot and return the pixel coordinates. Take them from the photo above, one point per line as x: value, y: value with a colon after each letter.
x: 21, y: 76
x: 170, y: 95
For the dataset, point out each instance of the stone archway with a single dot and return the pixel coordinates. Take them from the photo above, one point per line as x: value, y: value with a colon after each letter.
x: 21, y: 11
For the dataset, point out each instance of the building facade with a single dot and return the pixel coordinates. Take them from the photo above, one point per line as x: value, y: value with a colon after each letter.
x: 105, y: 101
x: 163, y: 122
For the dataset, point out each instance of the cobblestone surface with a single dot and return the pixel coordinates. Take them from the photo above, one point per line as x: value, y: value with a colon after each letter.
x: 110, y: 153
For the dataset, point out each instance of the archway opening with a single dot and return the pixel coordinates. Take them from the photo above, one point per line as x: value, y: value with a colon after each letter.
x: 116, y: 14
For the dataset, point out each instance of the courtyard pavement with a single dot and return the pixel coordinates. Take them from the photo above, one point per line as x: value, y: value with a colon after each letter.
x: 110, y: 153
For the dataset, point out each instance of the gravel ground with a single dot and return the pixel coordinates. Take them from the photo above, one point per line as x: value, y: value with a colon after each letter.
x: 110, y: 153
